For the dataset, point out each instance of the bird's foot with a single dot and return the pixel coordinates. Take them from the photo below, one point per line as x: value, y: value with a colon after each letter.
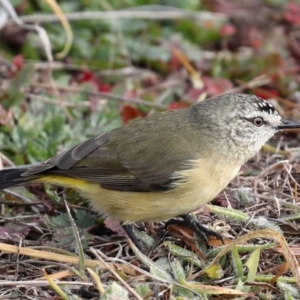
x: 194, y: 224
x: 132, y: 236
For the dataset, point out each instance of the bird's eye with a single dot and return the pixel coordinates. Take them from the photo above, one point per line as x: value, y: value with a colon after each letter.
x: 258, y: 121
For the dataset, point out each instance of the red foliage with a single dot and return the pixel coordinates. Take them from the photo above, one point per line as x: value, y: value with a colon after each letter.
x: 17, y: 65
x: 18, y: 62
x: 89, y: 77
x: 129, y: 112
x: 178, y: 104
x: 86, y: 76
x: 266, y: 94
x: 292, y: 13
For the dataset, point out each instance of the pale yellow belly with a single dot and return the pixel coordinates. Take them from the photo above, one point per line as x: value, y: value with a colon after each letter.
x: 200, y: 185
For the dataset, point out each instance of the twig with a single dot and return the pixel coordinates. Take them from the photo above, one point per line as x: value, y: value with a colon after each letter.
x: 100, y: 257
x: 126, y: 71
x: 169, y: 84
x: 255, y: 82
x: 62, y: 103
x: 18, y: 196
x: 63, y: 258
x: 281, y: 202
x: 101, y: 95
x: 156, y: 13
x: 131, y: 70
x: 41, y: 283
x: 56, y: 204
x: 5, y: 159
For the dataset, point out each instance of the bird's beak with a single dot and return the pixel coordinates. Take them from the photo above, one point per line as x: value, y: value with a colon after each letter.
x: 287, y: 124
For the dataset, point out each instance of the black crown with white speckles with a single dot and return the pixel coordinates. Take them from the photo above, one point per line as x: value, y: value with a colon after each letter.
x: 266, y: 106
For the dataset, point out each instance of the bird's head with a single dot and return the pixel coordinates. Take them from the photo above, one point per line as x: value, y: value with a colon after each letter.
x: 242, y: 123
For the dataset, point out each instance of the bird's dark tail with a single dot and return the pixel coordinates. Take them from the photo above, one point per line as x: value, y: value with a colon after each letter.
x: 13, y: 177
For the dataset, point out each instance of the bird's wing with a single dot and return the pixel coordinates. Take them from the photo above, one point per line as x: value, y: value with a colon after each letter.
x: 124, y: 160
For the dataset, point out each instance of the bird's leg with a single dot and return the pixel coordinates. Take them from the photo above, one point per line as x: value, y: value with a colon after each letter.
x: 194, y: 224
x: 132, y: 236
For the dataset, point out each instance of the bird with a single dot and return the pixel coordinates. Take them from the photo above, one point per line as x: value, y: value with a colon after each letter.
x: 164, y: 165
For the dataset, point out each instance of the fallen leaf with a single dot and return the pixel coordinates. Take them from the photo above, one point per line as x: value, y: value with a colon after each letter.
x: 129, y: 112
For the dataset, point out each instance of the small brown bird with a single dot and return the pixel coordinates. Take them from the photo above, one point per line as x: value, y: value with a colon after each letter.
x: 164, y: 165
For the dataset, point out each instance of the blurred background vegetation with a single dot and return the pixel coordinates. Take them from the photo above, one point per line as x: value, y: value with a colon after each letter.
x: 227, y: 43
